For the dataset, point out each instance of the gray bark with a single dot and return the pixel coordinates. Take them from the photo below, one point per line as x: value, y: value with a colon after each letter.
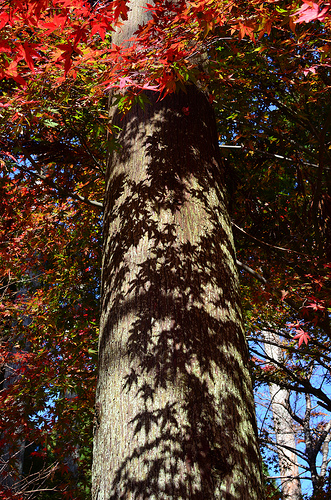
x: 283, y: 424
x: 174, y: 408
x: 12, y: 456
x: 325, y: 451
x: 11, y: 475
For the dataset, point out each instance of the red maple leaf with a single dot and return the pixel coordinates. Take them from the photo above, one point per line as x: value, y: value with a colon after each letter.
x: 311, y: 11
x: 302, y: 336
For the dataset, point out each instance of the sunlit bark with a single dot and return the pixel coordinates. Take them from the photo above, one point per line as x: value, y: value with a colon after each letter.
x: 284, y: 425
x: 174, y: 409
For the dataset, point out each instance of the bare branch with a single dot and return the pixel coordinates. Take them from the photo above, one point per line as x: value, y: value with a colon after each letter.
x: 51, y: 183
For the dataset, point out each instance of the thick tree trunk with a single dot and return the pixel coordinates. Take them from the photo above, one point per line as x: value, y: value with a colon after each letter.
x: 283, y: 423
x: 174, y: 410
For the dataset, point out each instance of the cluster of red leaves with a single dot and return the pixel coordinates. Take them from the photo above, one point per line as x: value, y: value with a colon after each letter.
x: 49, y: 271
x: 46, y: 21
x: 41, y: 35
x: 312, y: 11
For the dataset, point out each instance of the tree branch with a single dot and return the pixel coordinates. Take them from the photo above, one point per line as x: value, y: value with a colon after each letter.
x: 55, y: 186
x: 274, y: 290
x: 274, y: 247
x: 304, y: 386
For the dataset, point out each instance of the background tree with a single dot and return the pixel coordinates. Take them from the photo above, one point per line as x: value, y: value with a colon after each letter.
x: 282, y: 250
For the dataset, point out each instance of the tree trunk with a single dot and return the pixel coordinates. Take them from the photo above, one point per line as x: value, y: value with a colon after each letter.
x: 174, y: 409
x: 13, y: 449
x: 10, y: 473
x: 283, y: 423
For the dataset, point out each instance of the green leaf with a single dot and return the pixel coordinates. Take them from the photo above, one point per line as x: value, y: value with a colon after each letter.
x: 51, y: 123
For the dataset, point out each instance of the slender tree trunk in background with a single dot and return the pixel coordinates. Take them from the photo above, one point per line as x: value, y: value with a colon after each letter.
x: 10, y: 476
x: 174, y: 411
x: 285, y: 438
x: 13, y: 448
x: 283, y: 423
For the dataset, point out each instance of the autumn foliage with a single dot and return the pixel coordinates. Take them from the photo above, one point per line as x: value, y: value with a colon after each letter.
x: 266, y: 68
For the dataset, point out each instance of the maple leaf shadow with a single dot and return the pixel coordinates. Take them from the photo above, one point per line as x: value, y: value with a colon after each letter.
x: 183, y: 340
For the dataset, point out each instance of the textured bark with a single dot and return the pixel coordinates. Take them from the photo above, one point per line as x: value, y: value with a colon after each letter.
x: 175, y: 412
x: 283, y: 423
x: 174, y: 409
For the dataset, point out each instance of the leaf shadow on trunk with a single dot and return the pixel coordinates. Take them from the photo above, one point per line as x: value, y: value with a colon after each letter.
x: 172, y: 326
